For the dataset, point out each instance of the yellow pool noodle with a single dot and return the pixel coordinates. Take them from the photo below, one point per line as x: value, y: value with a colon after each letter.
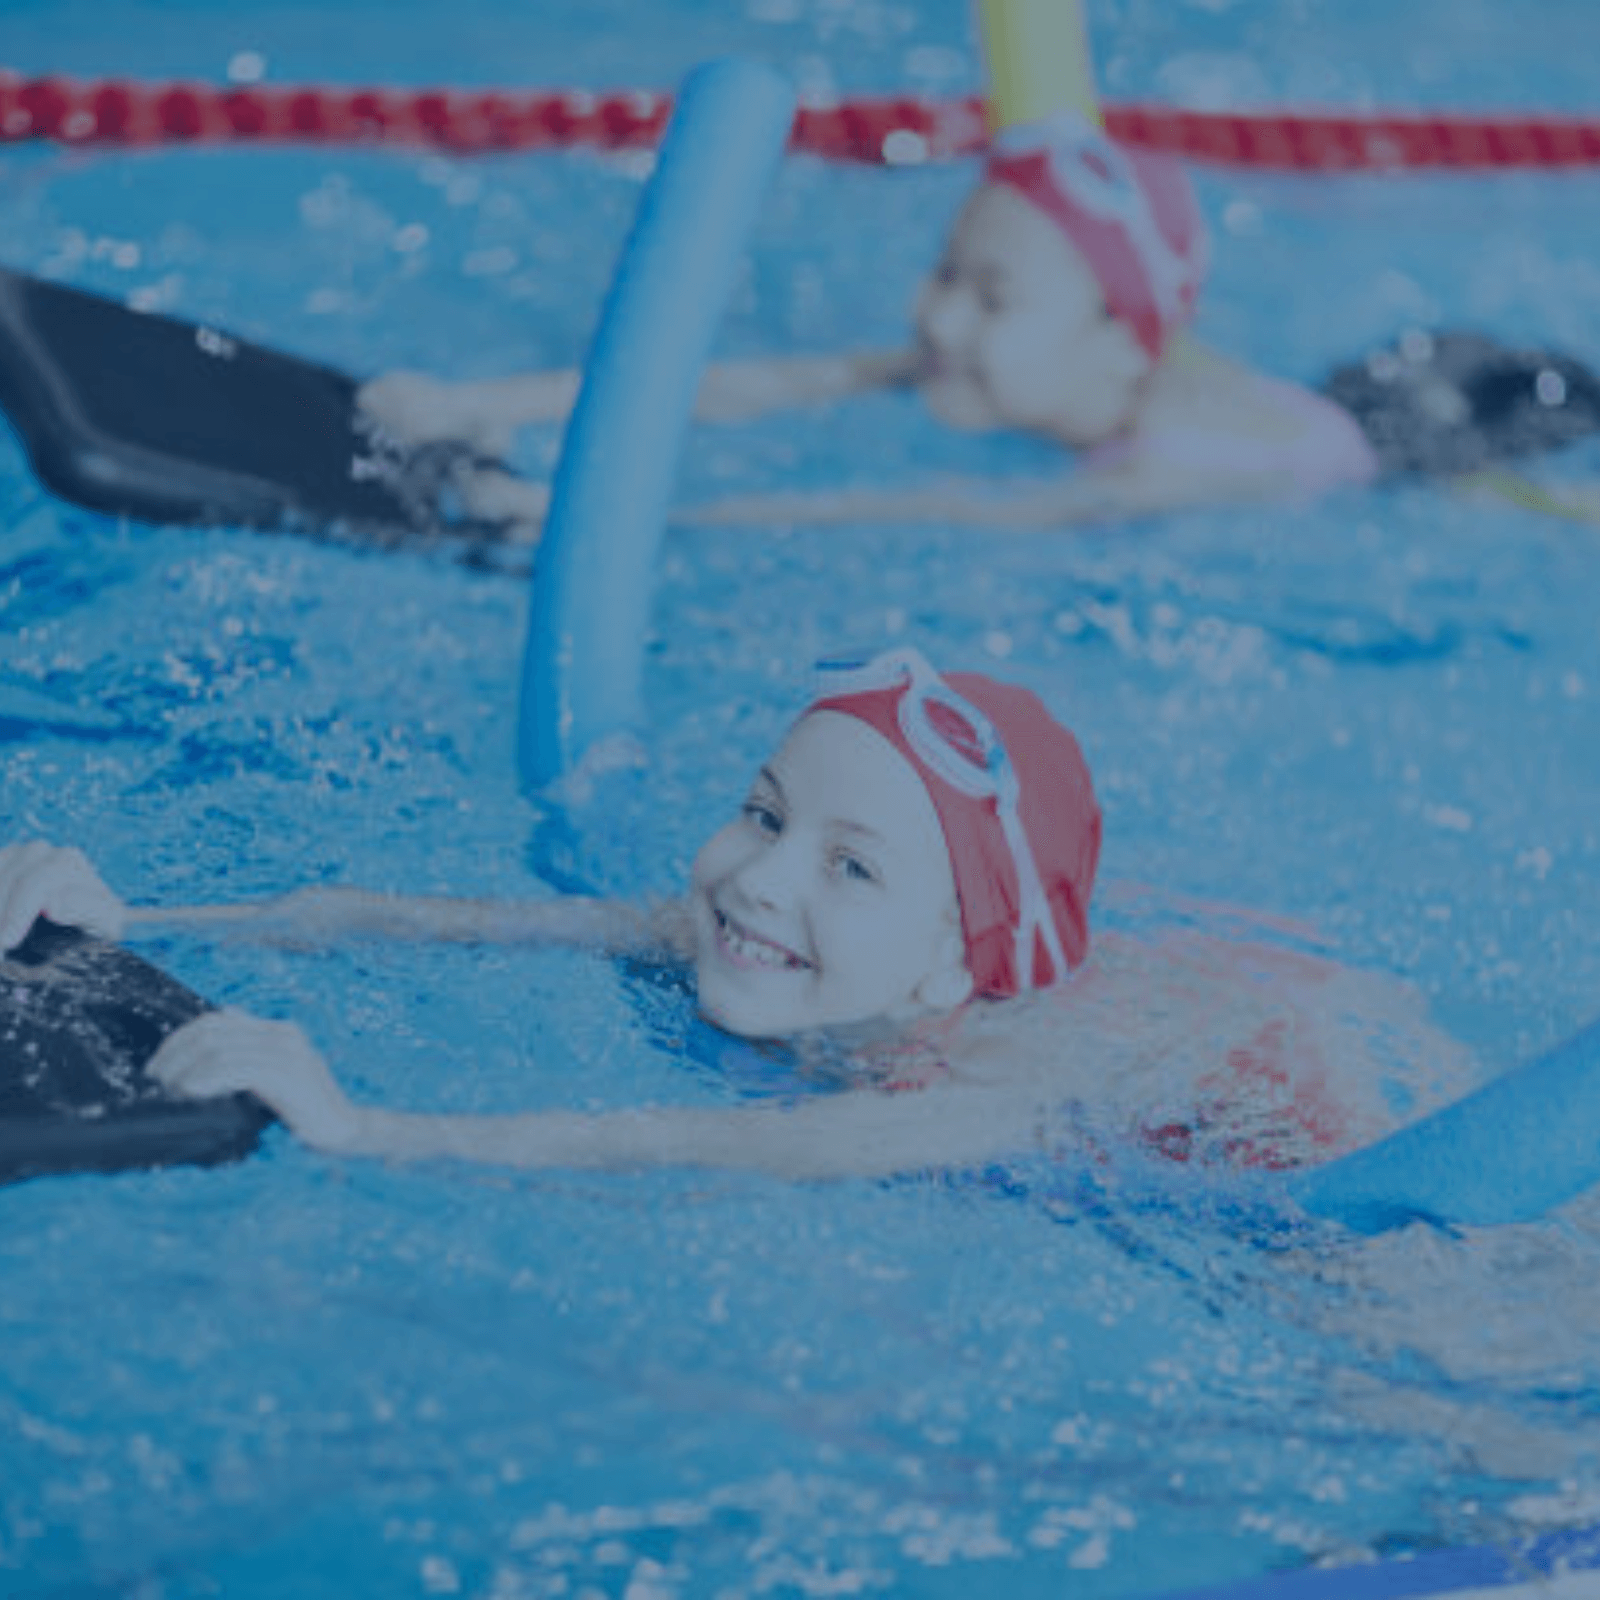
x: 1037, y: 56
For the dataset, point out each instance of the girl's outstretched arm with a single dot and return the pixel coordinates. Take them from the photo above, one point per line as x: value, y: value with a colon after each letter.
x: 737, y: 391
x: 320, y: 915
x: 40, y: 879
x: 858, y: 1134
x: 486, y: 413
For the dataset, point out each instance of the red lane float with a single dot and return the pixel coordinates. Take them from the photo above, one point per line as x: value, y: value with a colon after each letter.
x: 893, y: 131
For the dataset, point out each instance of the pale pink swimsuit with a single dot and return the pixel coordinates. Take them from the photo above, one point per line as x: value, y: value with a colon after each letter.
x: 1328, y: 452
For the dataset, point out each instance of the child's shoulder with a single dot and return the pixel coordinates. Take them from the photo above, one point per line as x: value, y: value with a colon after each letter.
x: 1260, y: 1052
x: 1217, y: 420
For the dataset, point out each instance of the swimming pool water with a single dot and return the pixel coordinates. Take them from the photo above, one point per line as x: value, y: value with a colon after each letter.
x: 1378, y: 716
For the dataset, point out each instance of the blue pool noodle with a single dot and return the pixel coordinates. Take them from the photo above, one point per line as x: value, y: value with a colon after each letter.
x: 594, y: 576
x: 1513, y: 1150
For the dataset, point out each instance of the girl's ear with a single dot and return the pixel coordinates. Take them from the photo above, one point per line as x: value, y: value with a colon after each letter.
x: 1125, y: 360
x: 948, y: 984
x: 946, y: 989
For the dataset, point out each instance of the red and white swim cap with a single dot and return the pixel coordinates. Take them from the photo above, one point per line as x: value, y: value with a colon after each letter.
x: 1131, y: 215
x: 1015, y: 802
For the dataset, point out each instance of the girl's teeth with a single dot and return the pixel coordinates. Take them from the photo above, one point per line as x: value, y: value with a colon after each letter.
x: 756, y: 950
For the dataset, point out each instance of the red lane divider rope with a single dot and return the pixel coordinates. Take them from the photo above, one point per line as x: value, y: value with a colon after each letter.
x: 889, y: 130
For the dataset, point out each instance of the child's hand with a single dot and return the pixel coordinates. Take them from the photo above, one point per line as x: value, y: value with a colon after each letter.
x: 495, y: 496
x: 38, y: 879
x: 416, y: 410
x: 229, y: 1052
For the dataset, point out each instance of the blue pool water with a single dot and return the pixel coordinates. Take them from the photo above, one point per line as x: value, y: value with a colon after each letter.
x: 1381, y: 716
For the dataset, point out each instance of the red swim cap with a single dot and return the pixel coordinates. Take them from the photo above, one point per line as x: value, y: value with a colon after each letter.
x: 1131, y: 215
x: 1016, y: 804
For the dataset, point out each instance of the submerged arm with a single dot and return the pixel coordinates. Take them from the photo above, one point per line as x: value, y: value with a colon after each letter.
x: 1571, y: 502
x: 858, y: 1134
x: 1077, y: 498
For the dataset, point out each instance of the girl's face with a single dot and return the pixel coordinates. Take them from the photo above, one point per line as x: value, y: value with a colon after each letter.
x: 829, y: 900
x: 1012, y: 330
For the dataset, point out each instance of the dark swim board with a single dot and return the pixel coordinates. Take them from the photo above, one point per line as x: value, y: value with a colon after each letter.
x: 148, y: 416
x: 79, y: 1020
x: 1447, y: 403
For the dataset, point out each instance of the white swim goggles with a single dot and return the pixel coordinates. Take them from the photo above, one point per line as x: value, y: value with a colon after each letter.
x: 955, y: 740
x: 1092, y: 172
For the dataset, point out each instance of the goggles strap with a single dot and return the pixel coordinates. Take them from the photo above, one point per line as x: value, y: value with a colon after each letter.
x: 1033, y: 910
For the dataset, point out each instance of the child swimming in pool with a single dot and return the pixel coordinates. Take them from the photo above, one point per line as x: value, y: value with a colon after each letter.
x: 905, y: 888
x: 1060, y: 308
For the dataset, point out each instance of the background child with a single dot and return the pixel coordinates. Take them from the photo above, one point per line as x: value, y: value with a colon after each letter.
x: 918, y: 850
x: 1059, y: 308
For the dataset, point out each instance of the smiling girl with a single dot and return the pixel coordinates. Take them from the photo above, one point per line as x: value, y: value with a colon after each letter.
x: 906, y: 886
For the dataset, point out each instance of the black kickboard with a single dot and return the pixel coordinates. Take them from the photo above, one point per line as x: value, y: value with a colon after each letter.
x: 80, y: 1019
x: 145, y: 415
